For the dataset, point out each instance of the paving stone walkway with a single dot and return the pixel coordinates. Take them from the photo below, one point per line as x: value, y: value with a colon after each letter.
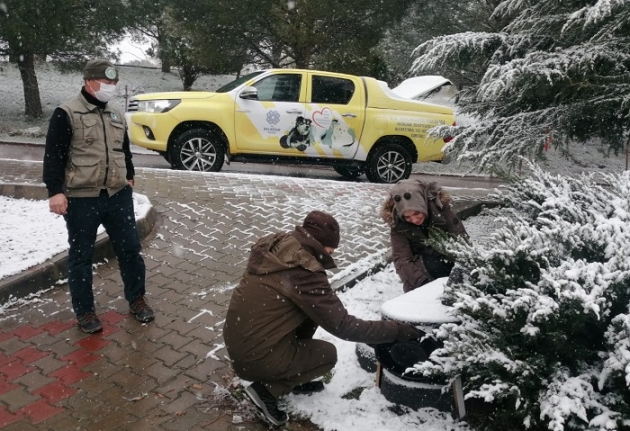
x: 171, y: 374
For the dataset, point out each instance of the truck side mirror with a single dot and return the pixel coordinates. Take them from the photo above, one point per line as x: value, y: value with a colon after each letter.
x: 249, y: 93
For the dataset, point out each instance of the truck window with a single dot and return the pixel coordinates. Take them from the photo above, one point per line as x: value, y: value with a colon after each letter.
x: 232, y: 85
x: 331, y: 90
x: 279, y: 88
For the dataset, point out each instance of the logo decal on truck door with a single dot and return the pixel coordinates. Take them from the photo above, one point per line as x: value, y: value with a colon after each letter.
x: 273, y: 117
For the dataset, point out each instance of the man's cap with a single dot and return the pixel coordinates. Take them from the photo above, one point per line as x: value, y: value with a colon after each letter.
x: 100, y: 69
x: 323, y: 227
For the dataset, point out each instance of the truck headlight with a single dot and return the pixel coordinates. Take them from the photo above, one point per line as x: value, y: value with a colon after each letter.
x: 157, y: 106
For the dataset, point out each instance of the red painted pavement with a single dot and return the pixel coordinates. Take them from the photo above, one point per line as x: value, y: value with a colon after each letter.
x: 19, y: 363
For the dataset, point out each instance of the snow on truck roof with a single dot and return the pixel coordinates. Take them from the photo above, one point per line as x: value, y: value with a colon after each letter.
x: 419, y: 85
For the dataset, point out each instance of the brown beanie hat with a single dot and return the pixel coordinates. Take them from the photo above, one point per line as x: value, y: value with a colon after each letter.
x: 323, y: 227
x: 100, y: 69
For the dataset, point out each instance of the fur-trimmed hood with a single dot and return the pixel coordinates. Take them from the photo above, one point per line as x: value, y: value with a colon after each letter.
x: 432, y: 191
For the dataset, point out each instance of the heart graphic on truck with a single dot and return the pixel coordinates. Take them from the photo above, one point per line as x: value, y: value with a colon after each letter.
x: 322, y: 118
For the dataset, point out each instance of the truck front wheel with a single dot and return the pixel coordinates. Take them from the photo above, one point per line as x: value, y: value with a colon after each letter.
x: 197, y: 150
x: 389, y: 163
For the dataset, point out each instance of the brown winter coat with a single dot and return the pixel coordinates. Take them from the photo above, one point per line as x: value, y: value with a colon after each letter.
x: 284, y: 295
x: 409, y: 248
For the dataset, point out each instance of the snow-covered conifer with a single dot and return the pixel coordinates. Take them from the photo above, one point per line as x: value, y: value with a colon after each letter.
x: 544, y: 338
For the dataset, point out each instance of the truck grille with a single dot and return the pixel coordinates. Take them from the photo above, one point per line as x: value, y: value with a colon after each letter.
x: 132, y: 106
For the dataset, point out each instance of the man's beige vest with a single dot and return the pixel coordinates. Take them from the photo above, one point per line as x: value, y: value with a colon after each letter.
x: 96, y: 160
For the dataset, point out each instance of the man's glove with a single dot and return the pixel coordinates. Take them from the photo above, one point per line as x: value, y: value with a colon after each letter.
x: 408, y: 332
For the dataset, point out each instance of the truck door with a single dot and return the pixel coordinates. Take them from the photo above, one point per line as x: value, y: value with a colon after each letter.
x: 262, y: 125
x: 336, y: 107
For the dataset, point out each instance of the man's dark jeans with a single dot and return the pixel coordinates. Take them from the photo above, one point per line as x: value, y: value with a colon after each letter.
x: 116, y: 215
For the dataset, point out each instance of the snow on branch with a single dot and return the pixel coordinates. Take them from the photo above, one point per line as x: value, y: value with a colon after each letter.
x: 566, y: 397
x: 449, y: 51
x: 511, y: 8
x: 601, y: 10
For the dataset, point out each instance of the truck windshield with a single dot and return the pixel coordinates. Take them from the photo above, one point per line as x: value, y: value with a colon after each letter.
x: 238, y: 81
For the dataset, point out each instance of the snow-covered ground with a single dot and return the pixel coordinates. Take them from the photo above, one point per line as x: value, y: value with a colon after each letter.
x: 30, y: 234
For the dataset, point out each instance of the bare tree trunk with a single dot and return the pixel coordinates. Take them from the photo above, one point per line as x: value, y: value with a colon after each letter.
x: 166, y: 65
x: 33, y: 104
x: 302, y: 58
x: 163, y: 55
x: 188, y: 74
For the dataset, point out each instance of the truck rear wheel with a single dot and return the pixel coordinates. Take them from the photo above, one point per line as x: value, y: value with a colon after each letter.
x: 389, y: 164
x: 349, y: 171
x: 197, y: 150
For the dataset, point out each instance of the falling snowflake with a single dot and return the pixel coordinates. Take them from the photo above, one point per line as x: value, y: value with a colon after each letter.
x: 273, y: 117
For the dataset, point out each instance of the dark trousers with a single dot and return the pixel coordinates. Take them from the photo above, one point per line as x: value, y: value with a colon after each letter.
x: 116, y: 215
x: 437, y: 265
x: 285, y: 368
x: 298, y: 361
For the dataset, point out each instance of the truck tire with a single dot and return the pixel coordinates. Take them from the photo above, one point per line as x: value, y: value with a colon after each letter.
x: 366, y: 357
x: 389, y: 163
x: 197, y: 150
x: 349, y: 171
x: 416, y: 394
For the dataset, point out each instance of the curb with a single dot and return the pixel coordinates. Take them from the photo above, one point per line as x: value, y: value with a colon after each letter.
x: 477, y: 177
x: 50, y: 272
x: 24, y: 144
x: 23, y: 191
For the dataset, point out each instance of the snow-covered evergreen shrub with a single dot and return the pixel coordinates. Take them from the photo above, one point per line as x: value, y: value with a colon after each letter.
x: 544, y: 339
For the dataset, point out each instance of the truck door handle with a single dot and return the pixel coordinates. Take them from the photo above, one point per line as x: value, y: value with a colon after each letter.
x: 247, y: 111
x: 349, y: 114
x: 294, y: 111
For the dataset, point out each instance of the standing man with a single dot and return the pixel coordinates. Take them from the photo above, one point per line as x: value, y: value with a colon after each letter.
x: 282, y: 298
x: 89, y: 175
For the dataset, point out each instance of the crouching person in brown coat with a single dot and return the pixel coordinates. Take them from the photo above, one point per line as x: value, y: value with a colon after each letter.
x: 282, y: 299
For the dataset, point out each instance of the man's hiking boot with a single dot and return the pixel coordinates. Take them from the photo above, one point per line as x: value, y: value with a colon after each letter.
x: 141, y: 310
x: 309, y: 388
x: 266, y: 404
x: 89, y: 323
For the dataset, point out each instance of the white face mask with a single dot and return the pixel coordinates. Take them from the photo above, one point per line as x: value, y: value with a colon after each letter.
x: 106, y: 92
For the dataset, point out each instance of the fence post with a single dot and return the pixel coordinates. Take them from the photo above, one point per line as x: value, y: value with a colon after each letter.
x: 627, y: 151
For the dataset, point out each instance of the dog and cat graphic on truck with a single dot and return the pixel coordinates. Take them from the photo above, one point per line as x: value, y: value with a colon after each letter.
x: 307, y: 132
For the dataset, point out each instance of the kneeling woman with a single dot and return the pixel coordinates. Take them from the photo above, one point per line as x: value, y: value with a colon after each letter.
x: 413, y: 210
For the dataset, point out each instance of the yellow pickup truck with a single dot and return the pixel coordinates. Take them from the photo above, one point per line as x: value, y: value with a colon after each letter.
x: 354, y: 124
